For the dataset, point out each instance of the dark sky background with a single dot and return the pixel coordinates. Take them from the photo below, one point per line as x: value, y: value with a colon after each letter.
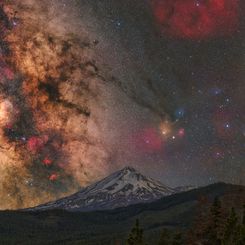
x: 198, y: 79
x: 88, y: 87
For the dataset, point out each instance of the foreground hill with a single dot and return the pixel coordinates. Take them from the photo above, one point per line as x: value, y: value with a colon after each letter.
x: 101, y: 227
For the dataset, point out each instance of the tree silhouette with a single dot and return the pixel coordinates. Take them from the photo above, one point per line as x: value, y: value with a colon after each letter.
x: 242, y: 229
x: 215, y: 229
x: 178, y: 239
x: 136, y: 235
x: 243, y: 215
x: 164, y: 238
x: 199, y: 223
x: 231, y: 232
x: 208, y: 226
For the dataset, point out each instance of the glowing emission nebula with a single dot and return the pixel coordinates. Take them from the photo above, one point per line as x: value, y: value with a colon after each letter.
x: 88, y: 87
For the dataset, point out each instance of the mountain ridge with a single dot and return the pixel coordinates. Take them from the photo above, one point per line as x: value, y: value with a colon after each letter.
x: 121, y: 188
x: 57, y: 226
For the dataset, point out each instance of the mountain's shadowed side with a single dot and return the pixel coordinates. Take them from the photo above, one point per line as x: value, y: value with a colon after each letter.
x: 120, y: 189
x: 60, y: 226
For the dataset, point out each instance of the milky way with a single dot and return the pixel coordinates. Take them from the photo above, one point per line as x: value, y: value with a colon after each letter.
x: 88, y: 87
x: 48, y: 80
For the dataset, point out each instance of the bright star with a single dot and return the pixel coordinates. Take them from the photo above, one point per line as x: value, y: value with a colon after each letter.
x: 227, y: 125
x: 165, y: 128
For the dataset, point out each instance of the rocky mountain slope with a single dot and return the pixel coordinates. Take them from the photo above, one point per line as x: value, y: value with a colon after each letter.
x: 175, y: 211
x: 120, y: 189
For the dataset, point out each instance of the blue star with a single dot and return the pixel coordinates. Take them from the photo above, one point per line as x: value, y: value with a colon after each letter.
x: 118, y: 23
x: 216, y: 91
x: 179, y: 113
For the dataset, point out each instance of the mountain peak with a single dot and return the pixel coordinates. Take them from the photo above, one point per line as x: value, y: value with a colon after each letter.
x: 128, y: 169
x: 122, y: 188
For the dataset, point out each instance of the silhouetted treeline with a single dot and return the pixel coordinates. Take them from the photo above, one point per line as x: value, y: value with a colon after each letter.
x: 213, y: 226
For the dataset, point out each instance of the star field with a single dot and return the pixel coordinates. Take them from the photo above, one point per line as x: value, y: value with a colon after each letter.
x: 203, y: 141
x: 88, y: 87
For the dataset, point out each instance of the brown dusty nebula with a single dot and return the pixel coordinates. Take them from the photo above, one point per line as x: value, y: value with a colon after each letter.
x: 84, y: 92
x: 49, y: 81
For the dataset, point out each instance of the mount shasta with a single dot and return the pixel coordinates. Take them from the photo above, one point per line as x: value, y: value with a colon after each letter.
x: 120, y: 189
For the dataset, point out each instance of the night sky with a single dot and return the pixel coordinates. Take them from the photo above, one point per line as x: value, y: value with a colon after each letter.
x: 88, y: 87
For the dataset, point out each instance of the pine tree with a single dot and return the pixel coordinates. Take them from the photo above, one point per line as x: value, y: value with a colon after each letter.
x: 164, y: 238
x: 214, y: 232
x: 243, y: 215
x: 231, y: 233
x: 200, y: 222
x: 178, y: 239
x: 136, y: 235
x: 242, y: 229
x: 218, y: 230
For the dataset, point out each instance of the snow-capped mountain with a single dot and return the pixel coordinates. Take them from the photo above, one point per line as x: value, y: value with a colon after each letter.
x: 122, y: 188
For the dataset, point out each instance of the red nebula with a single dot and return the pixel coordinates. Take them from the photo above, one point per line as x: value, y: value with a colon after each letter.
x: 6, y: 73
x: 148, y: 141
x: 62, y: 165
x: 8, y: 126
x: 36, y: 143
x: 53, y: 177
x: 196, y: 19
x: 181, y: 132
x: 47, y: 161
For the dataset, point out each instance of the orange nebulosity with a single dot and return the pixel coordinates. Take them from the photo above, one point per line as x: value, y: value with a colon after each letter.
x: 197, y: 19
x: 48, y: 80
x: 6, y: 113
x: 165, y: 128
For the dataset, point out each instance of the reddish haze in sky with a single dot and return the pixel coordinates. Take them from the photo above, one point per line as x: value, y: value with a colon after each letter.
x: 196, y: 19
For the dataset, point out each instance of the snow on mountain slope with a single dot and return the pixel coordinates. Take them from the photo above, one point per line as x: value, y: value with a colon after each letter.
x: 122, y: 188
